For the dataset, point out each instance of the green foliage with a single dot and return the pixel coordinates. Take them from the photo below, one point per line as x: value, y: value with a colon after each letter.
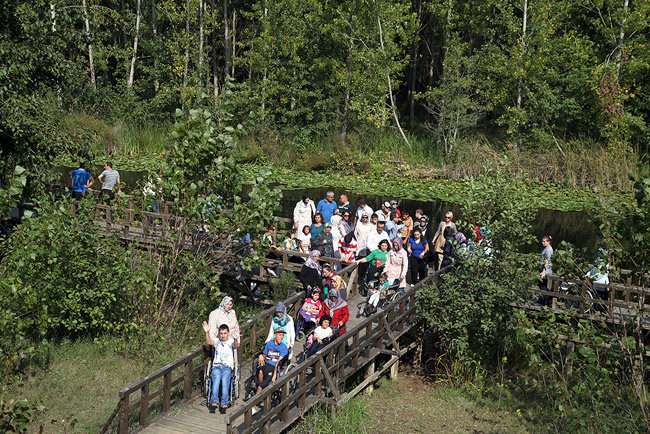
x: 60, y: 278
x: 351, y: 417
x: 471, y: 308
x: 12, y: 194
x: 16, y: 415
x: 283, y: 286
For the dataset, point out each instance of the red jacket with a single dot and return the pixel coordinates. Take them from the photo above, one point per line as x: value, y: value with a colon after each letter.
x: 340, y: 314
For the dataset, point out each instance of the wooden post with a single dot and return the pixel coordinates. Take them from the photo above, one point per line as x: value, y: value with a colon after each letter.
x: 144, y: 405
x: 187, y: 380
x: 167, y: 391
x: 124, y: 415
x: 394, y: 369
x: 369, y: 371
x: 267, y: 410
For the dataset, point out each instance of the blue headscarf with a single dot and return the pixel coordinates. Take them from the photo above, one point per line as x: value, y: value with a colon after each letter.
x: 284, y: 319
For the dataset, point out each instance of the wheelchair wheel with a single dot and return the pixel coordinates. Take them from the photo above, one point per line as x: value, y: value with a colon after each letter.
x: 207, y: 382
x: 236, y: 383
x: 300, y: 336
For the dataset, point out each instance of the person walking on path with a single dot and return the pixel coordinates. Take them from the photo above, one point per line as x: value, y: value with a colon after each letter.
x: 327, y: 206
x: 303, y: 212
x: 439, y: 238
x: 109, y: 179
x: 80, y: 181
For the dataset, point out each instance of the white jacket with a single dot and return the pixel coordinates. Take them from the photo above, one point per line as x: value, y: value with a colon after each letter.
x: 303, y: 213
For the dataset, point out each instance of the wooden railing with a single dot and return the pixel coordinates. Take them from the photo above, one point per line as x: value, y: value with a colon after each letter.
x: 348, y: 273
x: 153, y: 395
x: 622, y: 297
x: 298, y: 391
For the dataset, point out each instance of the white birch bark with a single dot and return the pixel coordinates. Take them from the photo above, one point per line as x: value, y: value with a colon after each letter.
x: 154, y: 29
x: 129, y: 82
x: 91, y: 62
x: 390, y: 87
x: 53, y: 15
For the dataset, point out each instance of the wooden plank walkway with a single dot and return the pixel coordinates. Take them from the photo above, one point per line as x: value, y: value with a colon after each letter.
x: 195, y: 417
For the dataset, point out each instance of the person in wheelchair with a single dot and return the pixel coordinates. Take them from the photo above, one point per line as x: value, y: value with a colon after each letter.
x: 270, y: 361
x: 223, y: 365
x: 337, y: 309
x: 321, y: 336
x: 285, y: 322
x: 308, y: 313
x: 375, y: 292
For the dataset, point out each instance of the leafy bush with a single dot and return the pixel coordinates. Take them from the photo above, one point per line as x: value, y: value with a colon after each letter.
x: 61, y: 277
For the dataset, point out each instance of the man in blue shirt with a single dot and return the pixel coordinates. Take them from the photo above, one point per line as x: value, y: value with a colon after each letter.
x: 393, y: 227
x: 80, y: 181
x: 327, y: 206
x: 270, y: 360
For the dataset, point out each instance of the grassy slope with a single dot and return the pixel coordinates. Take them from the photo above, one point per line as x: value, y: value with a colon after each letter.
x: 411, y: 405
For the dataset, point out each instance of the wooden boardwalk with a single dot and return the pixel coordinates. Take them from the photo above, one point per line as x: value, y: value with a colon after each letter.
x: 195, y: 416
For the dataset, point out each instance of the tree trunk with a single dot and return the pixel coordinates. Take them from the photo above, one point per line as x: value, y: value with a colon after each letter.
x: 346, y: 104
x: 520, y: 84
x: 187, y: 52
x: 621, y: 39
x: 234, y: 42
x: 154, y: 29
x: 201, y: 44
x: 226, y: 41
x: 390, y: 86
x: 53, y: 15
x: 129, y: 82
x: 91, y: 62
x: 215, y: 69
x: 264, y: 74
x: 415, y: 49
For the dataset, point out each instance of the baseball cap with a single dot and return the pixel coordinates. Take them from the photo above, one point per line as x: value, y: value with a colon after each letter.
x: 279, y: 330
x: 387, y: 204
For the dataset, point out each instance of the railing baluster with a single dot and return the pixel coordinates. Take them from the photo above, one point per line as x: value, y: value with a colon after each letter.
x: 187, y: 380
x: 144, y: 405
x: 167, y: 391
x: 124, y: 415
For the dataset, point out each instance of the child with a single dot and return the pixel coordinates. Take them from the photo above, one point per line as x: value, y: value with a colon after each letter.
x: 322, y: 332
x: 405, y: 233
x: 376, y: 291
x: 312, y: 305
x: 222, y: 365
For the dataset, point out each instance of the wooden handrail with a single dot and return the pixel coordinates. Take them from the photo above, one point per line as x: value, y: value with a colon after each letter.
x: 327, y: 375
x: 126, y: 406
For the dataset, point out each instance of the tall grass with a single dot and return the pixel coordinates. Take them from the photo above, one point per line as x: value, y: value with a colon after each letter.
x: 150, y: 138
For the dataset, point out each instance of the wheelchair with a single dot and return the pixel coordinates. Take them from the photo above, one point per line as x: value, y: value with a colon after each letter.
x: 206, y: 384
x: 370, y: 281
x: 250, y: 386
x: 304, y: 328
x: 386, y: 297
x: 303, y: 355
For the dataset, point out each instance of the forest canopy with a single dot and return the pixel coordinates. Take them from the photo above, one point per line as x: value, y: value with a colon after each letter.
x: 531, y: 75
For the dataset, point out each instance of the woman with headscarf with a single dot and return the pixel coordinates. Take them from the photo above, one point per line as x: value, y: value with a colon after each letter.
x: 224, y: 314
x: 282, y: 320
x: 336, y: 308
x: 397, y: 263
x: 303, y: 212
x: 337, y: 226
x: 311, y: 273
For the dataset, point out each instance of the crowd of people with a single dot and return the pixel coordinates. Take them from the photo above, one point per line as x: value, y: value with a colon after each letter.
x: 404, y: 246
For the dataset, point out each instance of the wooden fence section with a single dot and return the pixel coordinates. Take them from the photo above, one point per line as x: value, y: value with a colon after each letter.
x: 624, y: 303
x: 317, y: 379
x: 135, y: 412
